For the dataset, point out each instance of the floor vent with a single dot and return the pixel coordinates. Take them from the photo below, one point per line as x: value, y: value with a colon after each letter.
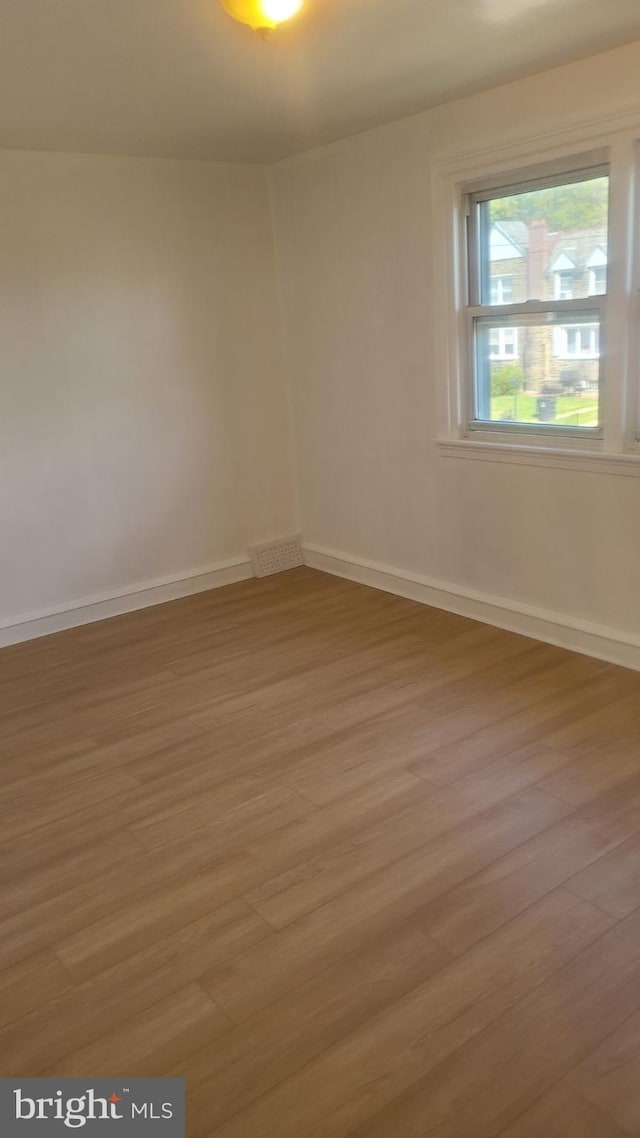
x: 276, y: 556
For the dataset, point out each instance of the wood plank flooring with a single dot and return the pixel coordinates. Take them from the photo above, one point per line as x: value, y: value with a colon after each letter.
x: 352, y: 867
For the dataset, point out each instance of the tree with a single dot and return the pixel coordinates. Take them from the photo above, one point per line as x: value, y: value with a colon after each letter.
x: 583, y: 205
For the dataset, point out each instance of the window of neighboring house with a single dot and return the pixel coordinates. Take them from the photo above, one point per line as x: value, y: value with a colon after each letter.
x: 501, y: 289
x: 503, y: 343
x: 577, y: 341
x: 564, y: 284
x: 546, y: 227
x: 598, y: 280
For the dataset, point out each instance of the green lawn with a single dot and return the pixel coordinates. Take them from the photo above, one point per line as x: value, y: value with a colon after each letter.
x: 571, y: 410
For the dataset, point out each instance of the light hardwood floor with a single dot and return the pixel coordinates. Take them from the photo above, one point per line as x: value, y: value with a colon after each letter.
x: 349, y: 865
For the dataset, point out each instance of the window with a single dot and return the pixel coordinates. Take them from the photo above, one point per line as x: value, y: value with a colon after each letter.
x: 598, y: 280
x: 564, y: 284
x: 551, y: 234
x: 577, y: 341
x: 501, y: 289
x: 503, y: 343
x: 530, y: 374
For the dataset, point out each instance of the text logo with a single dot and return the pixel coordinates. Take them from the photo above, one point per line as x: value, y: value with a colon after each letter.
x: 120, y: 1108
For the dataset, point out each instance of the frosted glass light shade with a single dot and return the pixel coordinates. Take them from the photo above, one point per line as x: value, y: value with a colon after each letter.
x: 262, y: 14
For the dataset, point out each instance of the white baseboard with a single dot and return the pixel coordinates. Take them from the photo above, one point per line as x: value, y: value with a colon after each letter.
x: 610, y: 644
x: 140, y: 596
x: 605, y: 643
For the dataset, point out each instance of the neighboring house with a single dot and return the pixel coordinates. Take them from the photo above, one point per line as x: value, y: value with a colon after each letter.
x: 529, y: 262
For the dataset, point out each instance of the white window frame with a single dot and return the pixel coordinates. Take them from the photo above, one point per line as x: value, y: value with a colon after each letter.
x: 480, y: 310
x: 615, y: 142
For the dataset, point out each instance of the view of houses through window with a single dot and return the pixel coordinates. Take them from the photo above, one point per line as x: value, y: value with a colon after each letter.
x: 542, y: 252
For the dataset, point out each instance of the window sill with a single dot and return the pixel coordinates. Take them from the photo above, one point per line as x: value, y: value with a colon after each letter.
x: 520, y: 454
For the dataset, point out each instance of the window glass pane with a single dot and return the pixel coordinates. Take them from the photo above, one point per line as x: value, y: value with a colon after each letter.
x: 549, y: 244
x: 538, y: 373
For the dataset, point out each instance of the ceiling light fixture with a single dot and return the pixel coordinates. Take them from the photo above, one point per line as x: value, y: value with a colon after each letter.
x: 262, y: 15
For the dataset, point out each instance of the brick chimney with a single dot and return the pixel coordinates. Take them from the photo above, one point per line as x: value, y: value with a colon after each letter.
x: 538, y: 256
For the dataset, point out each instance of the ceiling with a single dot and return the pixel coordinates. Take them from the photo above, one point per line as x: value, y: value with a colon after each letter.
x: 179, y: 78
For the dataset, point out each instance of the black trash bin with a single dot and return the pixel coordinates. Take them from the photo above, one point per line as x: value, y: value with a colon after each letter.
x: 546, y: 408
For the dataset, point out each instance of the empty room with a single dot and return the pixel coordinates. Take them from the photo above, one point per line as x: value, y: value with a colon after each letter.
x: 320, y: 568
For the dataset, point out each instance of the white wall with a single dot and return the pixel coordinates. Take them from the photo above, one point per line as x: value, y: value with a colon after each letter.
x: 355, y: 258
x: 144, y: 420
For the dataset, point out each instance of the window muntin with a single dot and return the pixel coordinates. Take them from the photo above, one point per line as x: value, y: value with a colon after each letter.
x: 542, y: 354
